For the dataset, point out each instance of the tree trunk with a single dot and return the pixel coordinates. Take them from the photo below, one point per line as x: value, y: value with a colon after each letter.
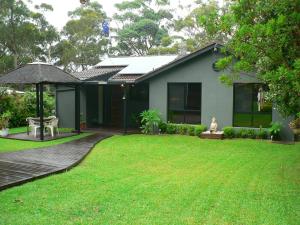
x: 15, y: 60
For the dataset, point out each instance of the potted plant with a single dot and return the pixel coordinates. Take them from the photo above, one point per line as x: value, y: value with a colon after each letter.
x: 295, y: 124
x: 4, y: 120
x: 275, y: 131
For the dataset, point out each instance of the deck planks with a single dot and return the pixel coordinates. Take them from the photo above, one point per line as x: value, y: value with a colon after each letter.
x: 23, y: 166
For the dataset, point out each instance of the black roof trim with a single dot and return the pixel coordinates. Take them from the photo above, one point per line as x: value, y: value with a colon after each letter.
x: 178, y: 61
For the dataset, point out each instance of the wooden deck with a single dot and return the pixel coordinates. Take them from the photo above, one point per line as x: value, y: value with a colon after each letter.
x: 23, y: 166
x: 25, y: 137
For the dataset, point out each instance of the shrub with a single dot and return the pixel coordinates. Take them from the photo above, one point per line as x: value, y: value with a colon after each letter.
x: 275, y: 130
x: 228, y: 132
x: 251, y: 133
x: 171, y: 128
x: 182, y: 128
x: 262, y: 134
x: 23, y: 106
x: 150, y: 121
x: 199, y: 129
x: 162, y: 127
x: 4, y: 120
x: 191, y: 130
x: 244, y: 133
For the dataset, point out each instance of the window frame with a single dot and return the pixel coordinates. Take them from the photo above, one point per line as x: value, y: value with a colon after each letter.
x: 185, y: 100
x: 253, y: 112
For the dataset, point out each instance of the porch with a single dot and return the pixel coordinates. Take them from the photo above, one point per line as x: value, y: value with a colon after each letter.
x: 114, y: 107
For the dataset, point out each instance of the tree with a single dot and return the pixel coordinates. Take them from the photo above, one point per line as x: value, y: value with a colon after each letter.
x: 142, y: 25
x: 206, y: 23
x: 24, y: 34
x: 83, y: 42
x: 266, y: 42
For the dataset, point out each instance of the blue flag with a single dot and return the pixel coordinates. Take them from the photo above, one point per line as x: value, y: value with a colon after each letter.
x: 105, y: 28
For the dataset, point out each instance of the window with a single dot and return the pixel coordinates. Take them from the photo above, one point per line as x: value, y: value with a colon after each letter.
x: 184, y: 102
x: 250, y: 107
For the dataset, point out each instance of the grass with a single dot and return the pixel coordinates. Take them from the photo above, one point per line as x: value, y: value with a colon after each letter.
x: 139, y: 179
x: 9, y: 145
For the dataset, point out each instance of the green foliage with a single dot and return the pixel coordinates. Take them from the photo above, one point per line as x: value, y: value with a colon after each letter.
x: 244, y: 133
x: 182, y: 128
x: 83, y: 42
x: 199, y: 129
x: 191, y: 130
x: 251, y: 133
x: 171, y: 128
x: 228, y: 132
x: 275, y: 130
x: 142, y: 26
x: 262, y: 134
x: 4, y: 119
x: 162, y: 127
x: 23, y: 106
x: 266, y: 42
x: 204, y: 24
x: 25, y: 35
x: 150, y: 121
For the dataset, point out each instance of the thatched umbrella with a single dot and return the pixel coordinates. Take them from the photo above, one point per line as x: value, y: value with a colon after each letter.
x: 41, y: 74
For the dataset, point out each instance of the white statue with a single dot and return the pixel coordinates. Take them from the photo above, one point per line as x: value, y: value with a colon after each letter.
x: 260, y: 99
x: 213, y: 126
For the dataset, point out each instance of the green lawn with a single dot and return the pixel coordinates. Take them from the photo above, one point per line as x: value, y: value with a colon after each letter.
x: 9, y: 145
x: 140, y: 179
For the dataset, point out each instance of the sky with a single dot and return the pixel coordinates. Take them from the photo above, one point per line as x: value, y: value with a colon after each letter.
x: 59, y: 16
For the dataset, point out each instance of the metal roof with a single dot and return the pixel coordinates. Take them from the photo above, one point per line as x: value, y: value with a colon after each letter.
x: 209, y: 48
x: 137, y: 64
x: 35, y: 73
x: 98, y: 73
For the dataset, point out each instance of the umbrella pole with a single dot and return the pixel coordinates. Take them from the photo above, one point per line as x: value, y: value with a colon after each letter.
x: 37, y: 100
x: 41, y: 112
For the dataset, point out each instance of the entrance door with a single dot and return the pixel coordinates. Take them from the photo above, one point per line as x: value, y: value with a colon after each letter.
x: 116, y: 106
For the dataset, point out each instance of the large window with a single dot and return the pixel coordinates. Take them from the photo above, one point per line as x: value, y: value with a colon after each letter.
x: 250, y: 106
x: 184, y: 102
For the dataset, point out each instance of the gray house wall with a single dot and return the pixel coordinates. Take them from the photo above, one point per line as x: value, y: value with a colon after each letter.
x: 65, y: 105
x: 217, y: 98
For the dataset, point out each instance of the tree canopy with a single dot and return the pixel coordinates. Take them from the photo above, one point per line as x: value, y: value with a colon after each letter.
x: 25, y: 35
x: 82, y: 42
x: 266, y: 42
x: 205, y: 23
x: 142, y: 25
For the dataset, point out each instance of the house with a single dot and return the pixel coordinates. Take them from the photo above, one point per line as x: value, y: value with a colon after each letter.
x: 185, y: 89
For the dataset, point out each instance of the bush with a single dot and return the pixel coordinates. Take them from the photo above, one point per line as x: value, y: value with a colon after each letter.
x: 275, y: 130
x: 262, y: 134
x: 182, y: 128
x: 199, y: 129
x: 171, y: 128
x: 23, y: 106
x: 4, y: 120
x: 162, y: 127
x: 228, y: 132
x: 191, y: 130
x: 150, y: 121
x: 251, y: 133
x: 244, y: 133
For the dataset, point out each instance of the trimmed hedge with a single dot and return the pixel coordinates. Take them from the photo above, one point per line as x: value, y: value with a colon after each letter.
x: 199, y: 129
x: 184, y: 129
x: 230, y: 132
x: 171, y: 128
